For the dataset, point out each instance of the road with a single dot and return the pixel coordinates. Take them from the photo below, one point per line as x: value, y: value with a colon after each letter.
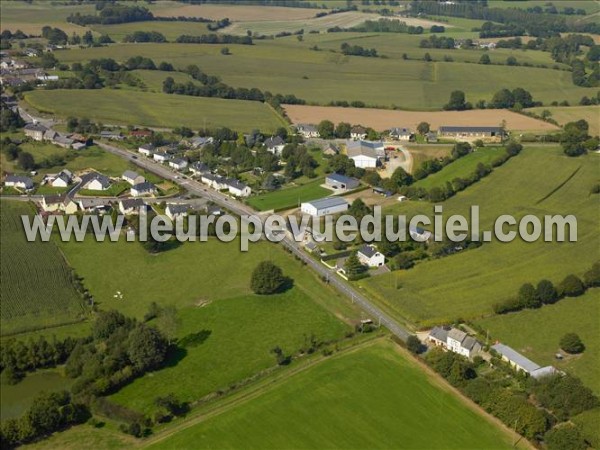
x: 236, y: 207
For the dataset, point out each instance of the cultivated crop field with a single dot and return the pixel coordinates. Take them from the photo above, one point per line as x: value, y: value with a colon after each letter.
x: 154, y: 109
x: 468, y: 284
x: 536, y: 333
x: 566, y: 114
x: 373, y: 397
x: 383, y: 119
x: 36, y: 289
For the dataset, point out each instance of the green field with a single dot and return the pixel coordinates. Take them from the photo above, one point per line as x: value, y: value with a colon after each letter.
x: 468, y: 284
x: 30, y: 18
x: 289, y: 196
x: 159, y: 110
x: 462, y: 168
x: 153, y: 79
x: 36, y: 289
x: 370, y: 398
x: 565, y: 114
x: 171, y: 30
x: 209, y: 284
x: 540, y: 342
x: 288, y: 67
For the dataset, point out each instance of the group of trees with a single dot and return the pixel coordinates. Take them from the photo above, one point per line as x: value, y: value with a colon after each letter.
x: 214, y: 39
x: 457, y: 102
x: 298, y: 161
x: 437, y: 42
x: 267, y: 278
x: 112, y: 13
x: 518, y: 98
x: 10, y: 119
x: 145, y: 36
x: 343, y: 130
x: 386, y: 26
x: 575, y: 139
x: 55, y: 36
x: 546, y: 293
x: 357, y: 50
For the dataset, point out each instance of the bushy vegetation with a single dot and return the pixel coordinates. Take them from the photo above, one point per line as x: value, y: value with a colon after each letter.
x: 267, y: 278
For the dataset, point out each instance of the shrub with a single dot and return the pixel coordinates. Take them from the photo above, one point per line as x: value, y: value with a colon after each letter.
x: 571, y: 286
x: 571, y: 343
x: 267, y: 278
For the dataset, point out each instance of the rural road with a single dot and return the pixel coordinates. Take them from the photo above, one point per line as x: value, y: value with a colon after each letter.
x: 194, y: 187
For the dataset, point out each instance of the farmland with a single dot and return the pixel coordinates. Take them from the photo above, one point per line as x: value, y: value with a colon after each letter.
x: 382, y: 119
x: 565, y: 114
x: 153, y: 109
x: 289, y: 196
x: 36, y: 289
x: 233, y: 13
x: 171, y: 30
x: 540, y: 343
x: 469, y: 283
x: 374, y: 396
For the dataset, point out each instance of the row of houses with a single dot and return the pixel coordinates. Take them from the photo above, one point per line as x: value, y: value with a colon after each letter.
x: 357, y: 132
x: 39, y: 132
x: 219, y: 183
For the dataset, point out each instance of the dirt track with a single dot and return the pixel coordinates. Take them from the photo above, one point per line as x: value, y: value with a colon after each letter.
x: 382, y: 119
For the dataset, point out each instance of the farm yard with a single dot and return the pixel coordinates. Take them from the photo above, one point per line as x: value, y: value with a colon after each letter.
x: 382, y: 119
x: 373, y: 395
x: 32, y: 271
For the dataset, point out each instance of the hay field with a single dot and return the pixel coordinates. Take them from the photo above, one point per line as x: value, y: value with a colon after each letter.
x: 382, y: 119
x: 565, y: 114
x: 233, y: 12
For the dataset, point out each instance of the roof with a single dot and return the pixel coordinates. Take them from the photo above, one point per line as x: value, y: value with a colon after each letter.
x: 372, y: 149
x: 328, y: 202
x: 58, y: 198
x: 130, y: 174
x: 308, y: 127
x: 35, y: 127
x: 179, y: 161
x: 399, y: 131
x: 199, y: 167
x: 198, y: 141
x: 86, y: 203
x: 446, y: 129
x: 368, y: 250
x: 63, y: 176
x: 164, y: 155
x: 91, y: 176
x: 439, y: 333
x: 63, y: 140
x: 515, y: 357
x: 469, y: 343
x: 544, y: 372
x: 109, y: 133
x: 358, y: 129
x: 147, y: 147
x: 18, y: 179
x: 129, y: 203
x: 457, y: 334
x: 177, y: 208
x: 274, y: 141
x: 339, y: 178
x: 236, y: 184
x: 146, y: 186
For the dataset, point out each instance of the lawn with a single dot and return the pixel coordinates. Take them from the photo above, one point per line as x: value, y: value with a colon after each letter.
x: 36, y: 289
x: 156, y: 109
x: 289, y: 196
x: 462, y: 168
x: 469, y: 283
x: 565, y: 114
x: 540, y: 342
x: 370, y: 398
x: 209, y: 284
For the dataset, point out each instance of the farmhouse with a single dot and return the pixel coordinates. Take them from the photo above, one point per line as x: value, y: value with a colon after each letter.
x: 325, y: 206
x: 146, y: 149
x: 145, y: 188
x: 495, y: 134
x: 307, y: 130
x: 18, y: 182
x: 358, y: 132
x: 49, y: 135
x: 455, y: 340
x: 369, y: 256
x: 337, y: 181
x: 54, y: 203
x: 66, y: 142
x: 199, y: 168
x: 95, y: 181
x: 401, y: 134
x: 238, y: 188
x: 63, y: 179
x: 131, y: 205
x: 35, y: 131
x: 365, y: 154
x: 111, y: 135
x: 275, y: 145
x: 132, y: 177
x: 520, y: 362
x: 161, y: 157
x: 173, y: 211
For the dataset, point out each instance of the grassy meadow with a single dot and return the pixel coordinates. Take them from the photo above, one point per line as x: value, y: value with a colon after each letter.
x: 373, y: 397
x: 551, y: 322
x: 154, y: 109
x: 566, y: 114
x: 289, y: 196
x: 36, y: 289
x: 468, y: 284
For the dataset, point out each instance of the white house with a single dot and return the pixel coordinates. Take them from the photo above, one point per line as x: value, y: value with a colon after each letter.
x: 161, y: 157
x: 63, y: 179
x: 130, y: 205
x: 214, y: 181
x: 95, y: 181
x: 95, y: 205
x: 401, y: 134
x: 369, y: 256
x: 132, y: 177
x: 35, y: 131
x: 365, y: 154
x: 455, y: 340
x: 173, y: 211
x: 357, y: 132
x: 54, y: 203
x: 144, y: 188
x: 275, y: 145
x: 238, y: 188
x: 199, y: 142
x: 307, y: 130
x: 199, y: 168
x: 178, y: 163
x: 146, y: 149
x: 324, y: 206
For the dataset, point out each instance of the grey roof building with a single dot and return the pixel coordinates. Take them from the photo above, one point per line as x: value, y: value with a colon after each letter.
x: 515, y: 358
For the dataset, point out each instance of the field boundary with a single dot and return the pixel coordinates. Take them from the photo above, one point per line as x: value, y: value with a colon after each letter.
x: 557, y: 188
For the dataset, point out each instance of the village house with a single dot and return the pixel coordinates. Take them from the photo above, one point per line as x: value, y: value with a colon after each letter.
x: 455, y: 340
x: 492, y: 134
x: 401, y: 134
x: 330, y: 149
x: 49, y: 134
x: 140, y: 133
x: 63, y: 179
x: 324, y: 206
x: 214, y: 181
x: 358, y: 132
x: 369, y: 256
x: 161, y: 157
x: 35, y: 131
x: 131, y: 206
x: 307, y: 130
x: 19, y: 182
x: 275, y: 145
x: 95, y: 181
x: 132, y: 177
x: 146, y: 149
x: 174, y: 210
x: 178, y: 164
x: 522, y: 363
x: 199, y: 168
x: 144, y: 188
x: 365, y: 154
x: 66, y: 142
x: 238, y: 188
x: 55, y: 203
x: 99, y: 206
x: 199, y: 142
x: 341, y: 182
x: 111, y: 135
